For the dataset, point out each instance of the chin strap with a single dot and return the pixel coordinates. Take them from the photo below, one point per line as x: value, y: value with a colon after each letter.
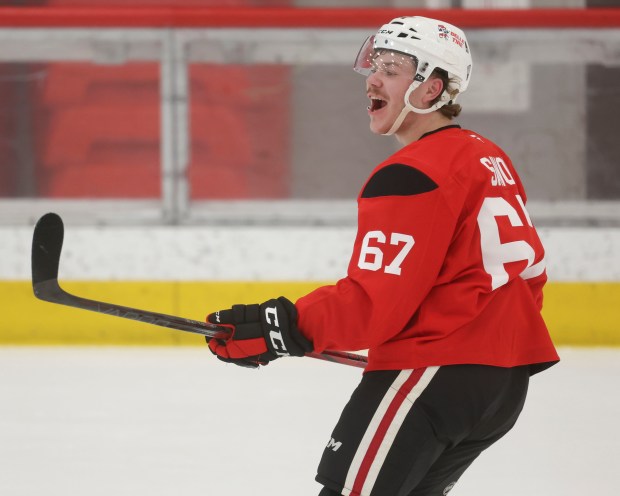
x: 410, y: 108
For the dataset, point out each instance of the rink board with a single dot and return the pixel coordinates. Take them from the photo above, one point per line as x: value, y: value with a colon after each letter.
x: 190, y: 271
x: 576, y: 313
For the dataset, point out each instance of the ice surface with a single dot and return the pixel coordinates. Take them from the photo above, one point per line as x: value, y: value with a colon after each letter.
x: 163, y: 421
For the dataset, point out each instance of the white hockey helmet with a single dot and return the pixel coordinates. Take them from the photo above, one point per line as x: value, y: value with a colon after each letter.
x: 433, y: 44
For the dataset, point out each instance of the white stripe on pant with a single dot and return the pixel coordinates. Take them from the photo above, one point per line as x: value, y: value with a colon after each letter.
x: 373, y: 431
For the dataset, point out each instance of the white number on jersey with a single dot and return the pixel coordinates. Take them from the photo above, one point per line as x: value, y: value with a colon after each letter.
x: 371, y: 257
x: 495, y: 253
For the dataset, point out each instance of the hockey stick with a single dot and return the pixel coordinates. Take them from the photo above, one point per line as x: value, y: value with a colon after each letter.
x: 46, y: 248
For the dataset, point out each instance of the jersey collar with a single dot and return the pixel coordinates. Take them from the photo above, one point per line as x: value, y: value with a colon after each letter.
x: 451, y: 126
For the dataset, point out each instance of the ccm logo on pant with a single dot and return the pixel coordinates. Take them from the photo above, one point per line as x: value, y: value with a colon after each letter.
x: 271, y: 317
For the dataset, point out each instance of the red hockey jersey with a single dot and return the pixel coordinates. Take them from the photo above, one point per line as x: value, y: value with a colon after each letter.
x: 447, y: 267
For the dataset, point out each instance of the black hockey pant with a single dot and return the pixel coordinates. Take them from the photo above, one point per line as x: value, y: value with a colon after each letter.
x: 414, y: 432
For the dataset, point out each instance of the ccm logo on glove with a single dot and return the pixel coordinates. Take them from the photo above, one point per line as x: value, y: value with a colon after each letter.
x: 277, y: 342
x: 260, y: 333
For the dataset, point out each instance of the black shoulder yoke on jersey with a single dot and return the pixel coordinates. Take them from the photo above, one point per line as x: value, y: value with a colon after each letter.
x: 398, y: 180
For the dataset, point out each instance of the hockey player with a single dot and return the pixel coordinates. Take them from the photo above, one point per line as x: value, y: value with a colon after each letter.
x: 444, y: 287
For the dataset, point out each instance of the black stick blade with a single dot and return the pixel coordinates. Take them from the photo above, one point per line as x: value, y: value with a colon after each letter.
x: 46, y: 247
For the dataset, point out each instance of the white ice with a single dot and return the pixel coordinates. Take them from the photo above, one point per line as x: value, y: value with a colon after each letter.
x: 163, y: 421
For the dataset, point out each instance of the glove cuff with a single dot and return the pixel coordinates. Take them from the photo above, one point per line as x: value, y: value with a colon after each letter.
x: 279, y: 321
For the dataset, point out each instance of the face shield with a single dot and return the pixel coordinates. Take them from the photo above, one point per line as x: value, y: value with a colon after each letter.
x: 370, y: 60
x: 363, y: 61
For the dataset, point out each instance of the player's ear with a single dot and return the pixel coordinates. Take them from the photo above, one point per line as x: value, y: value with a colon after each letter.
x: 434, y: 89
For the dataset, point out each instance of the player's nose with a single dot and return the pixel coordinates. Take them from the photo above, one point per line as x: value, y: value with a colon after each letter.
x: 373, y: 80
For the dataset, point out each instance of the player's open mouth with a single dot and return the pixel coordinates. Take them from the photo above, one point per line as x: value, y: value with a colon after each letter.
x: 376, y: 104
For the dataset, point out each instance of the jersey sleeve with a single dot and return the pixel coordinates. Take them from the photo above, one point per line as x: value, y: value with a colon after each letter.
x: 406, y: 221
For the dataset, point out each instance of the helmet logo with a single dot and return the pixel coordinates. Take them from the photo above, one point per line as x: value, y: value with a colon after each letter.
x: 446, y: 34
x: 459, y: 40
x: 443, y: 32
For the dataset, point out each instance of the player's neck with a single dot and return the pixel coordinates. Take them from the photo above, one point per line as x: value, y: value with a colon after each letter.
x: 420, y: 124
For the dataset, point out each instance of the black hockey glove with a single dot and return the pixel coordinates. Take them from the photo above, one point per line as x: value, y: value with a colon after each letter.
x: 260, y: 333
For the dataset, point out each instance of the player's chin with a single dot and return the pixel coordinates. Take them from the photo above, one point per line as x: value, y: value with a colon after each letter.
x: 378, y: 126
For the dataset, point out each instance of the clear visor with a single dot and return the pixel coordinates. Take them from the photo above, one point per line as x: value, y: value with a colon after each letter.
x: 370, y: 60
x: 363, y: 61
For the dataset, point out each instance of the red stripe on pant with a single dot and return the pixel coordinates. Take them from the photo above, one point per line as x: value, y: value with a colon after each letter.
x: 384, y: 425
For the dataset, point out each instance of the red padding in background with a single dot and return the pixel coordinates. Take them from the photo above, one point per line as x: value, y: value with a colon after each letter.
x: 180, y: 17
